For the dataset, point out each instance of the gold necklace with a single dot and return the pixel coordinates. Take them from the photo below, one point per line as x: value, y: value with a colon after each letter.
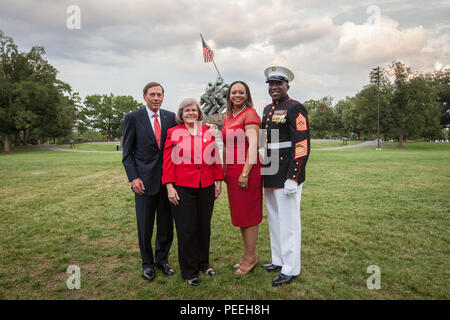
x: 234, y: 115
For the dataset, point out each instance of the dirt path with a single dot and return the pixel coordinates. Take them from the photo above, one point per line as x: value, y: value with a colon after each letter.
x: 360, y: 145
x: 54, y: 147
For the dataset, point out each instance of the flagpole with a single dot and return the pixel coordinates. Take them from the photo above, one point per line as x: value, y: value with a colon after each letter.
x: 216, y: 68
x: 212, y: 59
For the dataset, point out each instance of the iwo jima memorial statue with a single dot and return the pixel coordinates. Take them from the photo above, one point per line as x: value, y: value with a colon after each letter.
x: 214, y: 100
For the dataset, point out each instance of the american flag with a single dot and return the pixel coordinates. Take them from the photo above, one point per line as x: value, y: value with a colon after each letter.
x: 208, y: 54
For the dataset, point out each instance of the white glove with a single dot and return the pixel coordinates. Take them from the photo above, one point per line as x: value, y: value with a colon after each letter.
x: 290, y: 187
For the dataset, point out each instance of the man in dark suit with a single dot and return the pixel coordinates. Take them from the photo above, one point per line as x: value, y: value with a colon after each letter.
x: 143, y: 143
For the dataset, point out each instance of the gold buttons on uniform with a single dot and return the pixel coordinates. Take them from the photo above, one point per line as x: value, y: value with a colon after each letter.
x: 281, y: 158
x: 295, y: 169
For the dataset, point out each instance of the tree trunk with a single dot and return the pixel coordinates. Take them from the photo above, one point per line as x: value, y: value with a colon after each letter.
x: 7, y: 144
x: 121, y: 143
x: 25, y: 136
x: 17, y: 139
x: 400, y: 142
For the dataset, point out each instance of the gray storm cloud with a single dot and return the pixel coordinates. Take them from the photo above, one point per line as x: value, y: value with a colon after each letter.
x: 329, y: 45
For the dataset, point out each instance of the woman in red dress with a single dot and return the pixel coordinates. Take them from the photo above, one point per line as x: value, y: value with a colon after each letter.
x: 242, y: 168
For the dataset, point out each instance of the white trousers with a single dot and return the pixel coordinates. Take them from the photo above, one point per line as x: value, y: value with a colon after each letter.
x: 283, y: 213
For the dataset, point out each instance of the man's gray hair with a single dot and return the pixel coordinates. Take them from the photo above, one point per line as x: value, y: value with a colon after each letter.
x: 184, y: 104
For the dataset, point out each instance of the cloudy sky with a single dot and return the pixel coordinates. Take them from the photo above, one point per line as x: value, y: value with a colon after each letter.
x: 330, y: 46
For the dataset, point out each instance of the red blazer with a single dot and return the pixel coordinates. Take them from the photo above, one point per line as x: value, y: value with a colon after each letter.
x: 191, y: 161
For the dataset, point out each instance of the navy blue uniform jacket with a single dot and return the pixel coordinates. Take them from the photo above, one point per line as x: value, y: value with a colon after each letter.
x: 291, y: 119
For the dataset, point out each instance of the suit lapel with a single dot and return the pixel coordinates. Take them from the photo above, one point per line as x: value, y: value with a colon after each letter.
x: 164, y: 126
x: 147, y: 125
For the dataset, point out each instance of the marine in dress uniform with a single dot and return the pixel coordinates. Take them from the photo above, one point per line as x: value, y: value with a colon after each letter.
x: 283, y: 186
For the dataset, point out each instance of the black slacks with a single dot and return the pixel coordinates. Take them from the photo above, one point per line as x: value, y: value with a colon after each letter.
x: 146, y: 206
x: 193, y: 223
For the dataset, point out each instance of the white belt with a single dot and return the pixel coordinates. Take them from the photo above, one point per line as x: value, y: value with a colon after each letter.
x: 279, y: 145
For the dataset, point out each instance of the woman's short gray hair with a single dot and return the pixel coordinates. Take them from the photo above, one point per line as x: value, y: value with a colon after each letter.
x: 184, y: 104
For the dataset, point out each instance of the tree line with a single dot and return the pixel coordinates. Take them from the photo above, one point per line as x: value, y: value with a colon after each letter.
x: 36, y: 106
x: 413, y: 105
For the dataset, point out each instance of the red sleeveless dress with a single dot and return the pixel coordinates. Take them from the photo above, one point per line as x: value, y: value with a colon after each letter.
x: 246, y: 206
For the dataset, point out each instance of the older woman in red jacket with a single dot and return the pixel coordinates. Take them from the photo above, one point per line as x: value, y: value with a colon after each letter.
x: 192, y: 172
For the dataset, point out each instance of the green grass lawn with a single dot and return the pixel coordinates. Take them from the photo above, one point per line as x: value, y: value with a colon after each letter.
x: 91, y: 147
x: 360, y: 207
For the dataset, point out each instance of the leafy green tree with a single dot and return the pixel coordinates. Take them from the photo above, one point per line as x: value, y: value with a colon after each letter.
x: 122, y: 106
x: 106, y: 113
x: 413, y: 103
x: 440, y: 80
x: 66, y: 103
x: 366, y: 102
x: 323, y: 119
x: 11, y: 65
x: 31, y: 98
x: 348, y: 116
x: 408, y: 106
x: 92, y: 135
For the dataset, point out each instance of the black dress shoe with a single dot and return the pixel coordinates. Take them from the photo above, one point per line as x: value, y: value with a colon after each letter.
x: 148, y: 274
x: 166, y: 269
x: 271, y: 267
x: 194, y: 282
x: 282, y: 279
